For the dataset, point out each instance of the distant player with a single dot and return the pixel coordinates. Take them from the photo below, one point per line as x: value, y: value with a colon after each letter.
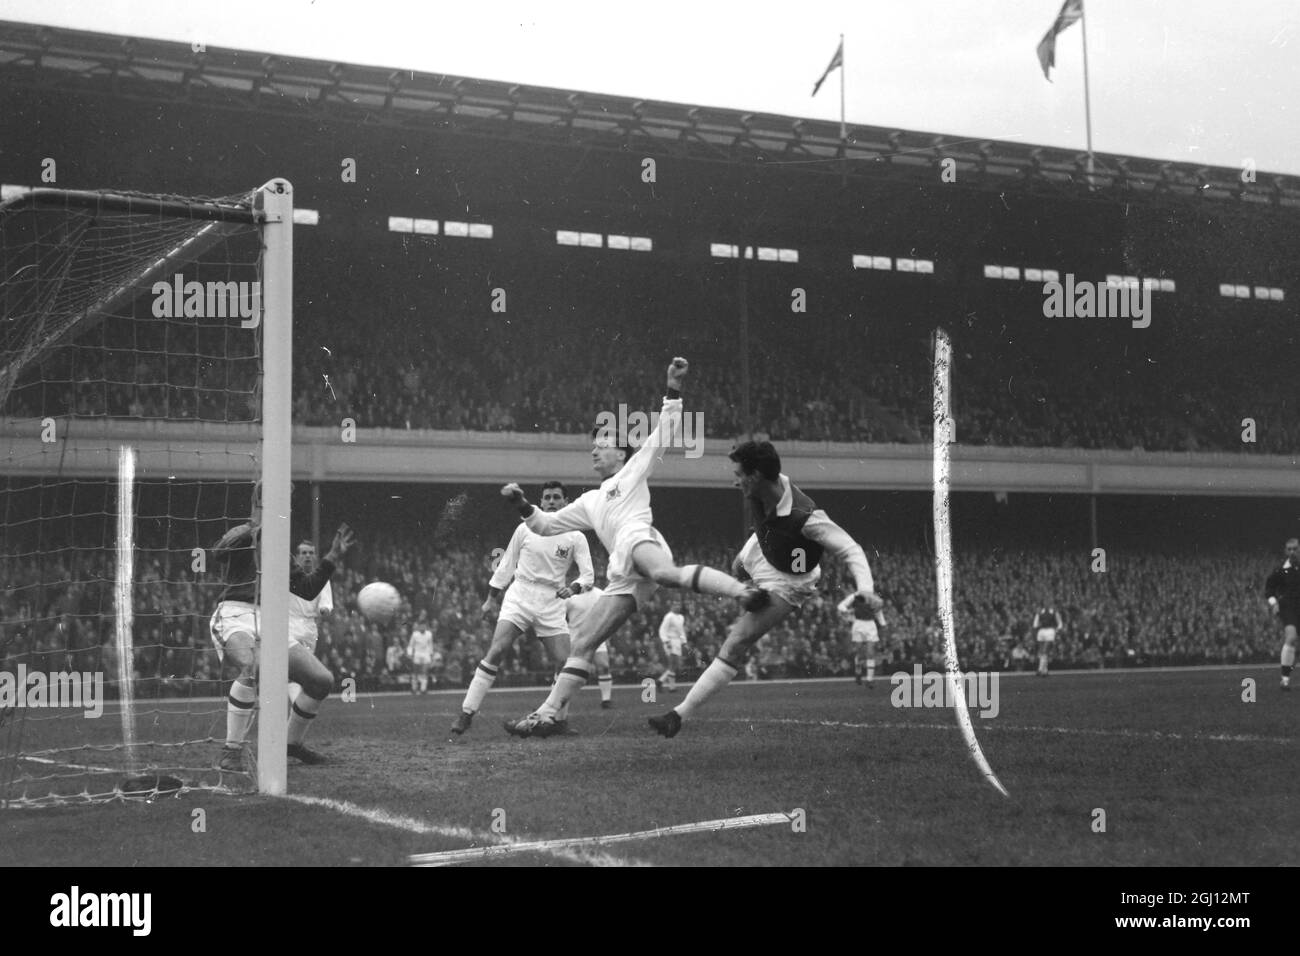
x: 538, y: 565
x: 783, y: 556
x: 235, y: 632
x: 1047, y: 623
x: 304, y: 615
x: 1283, y: 592
x: 865, y: 636
x: 640, y: 561
x: 672, y: 635
x: 420, y: 651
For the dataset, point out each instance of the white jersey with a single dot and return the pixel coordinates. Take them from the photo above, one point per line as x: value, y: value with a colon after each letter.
x: 621, y: 505
x: 542, y: 561
x: 420, y: 647
x: 672, y: 627
x: 304, y: 614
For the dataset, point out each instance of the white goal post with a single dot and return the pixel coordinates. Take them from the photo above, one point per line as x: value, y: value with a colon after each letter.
x: 59, y: 279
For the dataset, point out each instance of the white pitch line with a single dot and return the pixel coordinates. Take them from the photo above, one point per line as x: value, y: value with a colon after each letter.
x: 496, y: 840
x: 1081, y: 731
x: 446, y: 857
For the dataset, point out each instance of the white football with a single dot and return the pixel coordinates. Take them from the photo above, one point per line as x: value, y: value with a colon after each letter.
x: 379, y: 602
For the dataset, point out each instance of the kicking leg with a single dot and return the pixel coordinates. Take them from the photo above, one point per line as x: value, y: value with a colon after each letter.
x: 742, y: 635
x: 653, y: 563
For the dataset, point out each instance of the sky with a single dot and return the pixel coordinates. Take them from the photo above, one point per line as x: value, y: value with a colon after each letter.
x: 1195, y: 81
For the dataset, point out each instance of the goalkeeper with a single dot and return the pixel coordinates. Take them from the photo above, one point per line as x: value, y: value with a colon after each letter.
x: 236, y: 631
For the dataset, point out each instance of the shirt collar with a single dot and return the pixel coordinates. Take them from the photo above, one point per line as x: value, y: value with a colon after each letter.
x: 784, y: 506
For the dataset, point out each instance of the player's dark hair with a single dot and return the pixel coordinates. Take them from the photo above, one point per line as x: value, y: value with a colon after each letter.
x: 757, y: 456
x: 623, y: 446
x: 555, y: 484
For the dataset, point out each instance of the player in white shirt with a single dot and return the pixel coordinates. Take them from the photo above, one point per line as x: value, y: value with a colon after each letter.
x: 865, y: 635
x: 420, y: 650
x: 640, y: 560
x: 672, y: 635
x: 529, y: 581
x: 305, y: 614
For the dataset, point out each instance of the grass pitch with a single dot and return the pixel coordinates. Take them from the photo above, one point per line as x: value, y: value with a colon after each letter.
x: 1185, y: 771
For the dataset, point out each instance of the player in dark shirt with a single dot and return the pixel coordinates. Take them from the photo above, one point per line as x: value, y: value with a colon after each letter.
x: 236, y: 631
x: 1046, y: 625
x: 782, y: 557
x: 1283, y: 592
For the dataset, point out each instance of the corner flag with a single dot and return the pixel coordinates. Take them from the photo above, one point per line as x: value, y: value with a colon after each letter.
x: 836, y: 60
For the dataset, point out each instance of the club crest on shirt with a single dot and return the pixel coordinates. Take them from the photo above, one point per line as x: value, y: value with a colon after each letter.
x: 613, y: 493
x: 561, y: 551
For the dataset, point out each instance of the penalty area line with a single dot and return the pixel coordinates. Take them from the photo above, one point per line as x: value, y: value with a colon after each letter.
x: 495, y: 840
x: 446, y: 857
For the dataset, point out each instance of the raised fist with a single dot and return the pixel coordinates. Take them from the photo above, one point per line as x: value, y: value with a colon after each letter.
x: 677, y: 372
x: 513, y: 493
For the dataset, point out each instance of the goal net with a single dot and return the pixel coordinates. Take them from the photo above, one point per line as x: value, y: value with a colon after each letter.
x: 144, y: 362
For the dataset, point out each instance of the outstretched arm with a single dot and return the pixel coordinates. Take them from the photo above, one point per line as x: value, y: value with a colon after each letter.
x: 642, y: 463
x: 836, y: 540
x: 572, y: 517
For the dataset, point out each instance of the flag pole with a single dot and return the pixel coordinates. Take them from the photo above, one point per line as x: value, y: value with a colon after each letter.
x: 1087, y: 98
x: 844, y: 136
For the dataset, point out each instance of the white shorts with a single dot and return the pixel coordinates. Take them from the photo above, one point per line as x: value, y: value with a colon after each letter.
x: 230, y: 618
x: 424, y: 663
x: 672, y: 645
x: 301, y: 633
x: 794, y: 589
x: 534, y: 606
x: 1047, y: 633
x: 865, y: 632
x: 623, y: 575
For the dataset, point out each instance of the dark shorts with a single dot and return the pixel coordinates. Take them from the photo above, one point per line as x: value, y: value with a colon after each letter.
x: 1289, y: 613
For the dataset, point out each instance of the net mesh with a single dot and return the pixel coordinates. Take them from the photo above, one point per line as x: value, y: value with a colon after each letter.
x: 119, y: 329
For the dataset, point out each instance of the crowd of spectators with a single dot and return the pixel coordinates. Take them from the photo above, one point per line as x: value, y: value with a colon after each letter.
x: 428, y: 357
x: 56, y: 613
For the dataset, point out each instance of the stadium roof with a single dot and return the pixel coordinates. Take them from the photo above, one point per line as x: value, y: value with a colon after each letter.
x: 83, y: 62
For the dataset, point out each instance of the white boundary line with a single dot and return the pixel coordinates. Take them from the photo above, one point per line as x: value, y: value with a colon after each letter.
x: 1002, y: 725
x: 561, y: 849
x: 446, y: 857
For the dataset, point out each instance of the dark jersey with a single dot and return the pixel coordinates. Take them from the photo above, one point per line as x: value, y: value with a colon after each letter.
x: 779, y: 536
x: 1046, y: 617
x: 1284, y: 584
x: 236, y: 556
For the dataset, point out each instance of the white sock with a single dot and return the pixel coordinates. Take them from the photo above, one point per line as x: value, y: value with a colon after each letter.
x: 606, y: 686
x: 717, y: 676
x: 241, y: 704
x: 696, y: 577
x: 485, y: 675
x: 304, y: 712
x: 1288, y: 655
x: 571, y: 679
